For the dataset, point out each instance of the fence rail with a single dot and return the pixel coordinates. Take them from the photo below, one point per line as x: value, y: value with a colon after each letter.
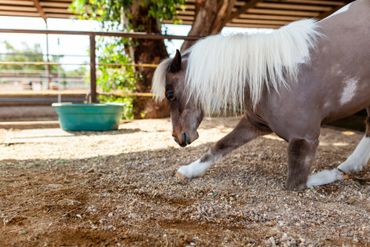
x: 134, y: 35
x: 46, y: 98
x: 149, y: 65
x: 92, y: 43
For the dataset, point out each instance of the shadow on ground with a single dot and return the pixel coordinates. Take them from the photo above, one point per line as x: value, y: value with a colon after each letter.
x: 134, y: 199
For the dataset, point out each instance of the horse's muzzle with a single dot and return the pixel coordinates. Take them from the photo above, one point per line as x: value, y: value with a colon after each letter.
x: 184, y: 139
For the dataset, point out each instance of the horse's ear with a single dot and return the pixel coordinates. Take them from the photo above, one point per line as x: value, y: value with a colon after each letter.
x: 175, y: 65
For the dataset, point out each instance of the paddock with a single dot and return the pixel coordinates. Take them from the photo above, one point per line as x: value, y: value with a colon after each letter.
x: 118, y: 189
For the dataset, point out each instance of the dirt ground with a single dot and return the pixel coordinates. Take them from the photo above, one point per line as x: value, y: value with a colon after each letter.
x: 119, y: 189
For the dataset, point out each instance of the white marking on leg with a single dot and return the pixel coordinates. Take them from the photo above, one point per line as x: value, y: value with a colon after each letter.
x: 349, y: 90
x: 324, y: 177
x: 359, y: 158
x: 195, y: 169
x: 354, y: 163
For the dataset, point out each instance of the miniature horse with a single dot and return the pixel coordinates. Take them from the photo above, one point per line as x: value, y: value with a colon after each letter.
x: 289, y: 81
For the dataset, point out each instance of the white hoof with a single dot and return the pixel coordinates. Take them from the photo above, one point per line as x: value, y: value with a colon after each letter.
x: 324, y: 177
x: 195, y: 169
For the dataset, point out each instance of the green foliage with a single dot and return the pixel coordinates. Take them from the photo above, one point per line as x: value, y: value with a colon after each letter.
x: 112, y: 10
x: 111, y: 77
x: 164, y: 9
x: 127, y: 109
x: 114, y: 78
x: 112, y: 14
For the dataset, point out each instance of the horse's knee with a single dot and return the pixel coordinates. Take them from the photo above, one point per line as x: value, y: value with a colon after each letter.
x: 301, y: 154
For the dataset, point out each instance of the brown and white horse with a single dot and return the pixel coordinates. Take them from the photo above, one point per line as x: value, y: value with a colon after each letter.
x: 289, y: 81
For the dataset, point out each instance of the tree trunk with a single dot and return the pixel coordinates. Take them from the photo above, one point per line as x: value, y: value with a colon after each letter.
x: 147, y: 52
x: 210, y: 17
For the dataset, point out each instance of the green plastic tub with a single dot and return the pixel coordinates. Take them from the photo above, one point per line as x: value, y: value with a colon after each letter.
x: 89, y: 117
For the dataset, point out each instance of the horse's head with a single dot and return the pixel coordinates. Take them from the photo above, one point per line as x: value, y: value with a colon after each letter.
x: 186, y: 114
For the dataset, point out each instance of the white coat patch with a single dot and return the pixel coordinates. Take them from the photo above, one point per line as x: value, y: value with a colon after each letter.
x: 349, y: 90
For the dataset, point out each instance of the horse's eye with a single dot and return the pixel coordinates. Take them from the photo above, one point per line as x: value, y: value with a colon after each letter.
x: 170, y: 95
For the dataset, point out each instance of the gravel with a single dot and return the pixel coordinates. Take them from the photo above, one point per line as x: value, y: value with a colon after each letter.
x: 118, y: 189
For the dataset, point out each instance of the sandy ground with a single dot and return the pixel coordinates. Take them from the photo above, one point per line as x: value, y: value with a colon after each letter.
x: 119, y: 189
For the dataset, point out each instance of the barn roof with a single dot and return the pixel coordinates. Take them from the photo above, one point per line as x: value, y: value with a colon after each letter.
x: 252, y: 13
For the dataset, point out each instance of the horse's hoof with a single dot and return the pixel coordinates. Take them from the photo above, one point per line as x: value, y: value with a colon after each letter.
x: 296, y: 187
x: 181, y: 177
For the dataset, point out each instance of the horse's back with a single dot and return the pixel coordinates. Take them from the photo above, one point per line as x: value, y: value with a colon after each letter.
x: 336, y: 81
x: 340, y: 63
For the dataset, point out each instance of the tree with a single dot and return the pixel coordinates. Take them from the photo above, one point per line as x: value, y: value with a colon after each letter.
x: 147, y: 16
x: 212, y: 15
x: 139, y: 16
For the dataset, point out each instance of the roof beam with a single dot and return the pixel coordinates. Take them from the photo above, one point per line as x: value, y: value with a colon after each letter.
x: 252, y: 25
x: 283, y: 12
x: 315, y: 2
x: 25, y: 3
x: 231, y: 24
x: 246, y: 13
x: 55, y: 10
x: 18, y: 13
x: 259, y: 22
x: 55, y: 15
x: 16, y: 8
x: 39, y: 9
x: 249, y: 17
x: 243, y: 9
x: 326, y: 14
x: 55, y: 4
x: 282, y: 6
x: 270, y: 17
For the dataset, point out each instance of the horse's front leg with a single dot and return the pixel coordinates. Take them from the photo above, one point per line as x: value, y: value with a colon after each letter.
x: 301, y: 154
x: 243, y: 133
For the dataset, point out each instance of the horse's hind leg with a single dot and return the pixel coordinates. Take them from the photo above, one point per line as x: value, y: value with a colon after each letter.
x: 361, y: 155
x: 354, y: 163
x: 243, y: 133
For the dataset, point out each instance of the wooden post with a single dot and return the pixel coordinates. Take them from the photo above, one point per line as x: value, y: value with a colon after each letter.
x: 93, y: 98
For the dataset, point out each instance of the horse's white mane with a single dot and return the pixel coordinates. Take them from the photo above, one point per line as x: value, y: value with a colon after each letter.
x: 220, y: 68
x: 159, y: 80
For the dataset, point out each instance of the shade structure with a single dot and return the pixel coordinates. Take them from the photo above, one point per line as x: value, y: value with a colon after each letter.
x: 252, y: 13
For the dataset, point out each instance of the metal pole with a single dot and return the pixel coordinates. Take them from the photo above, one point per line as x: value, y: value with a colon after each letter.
x: 93, y: 97
x: 48, y: 67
